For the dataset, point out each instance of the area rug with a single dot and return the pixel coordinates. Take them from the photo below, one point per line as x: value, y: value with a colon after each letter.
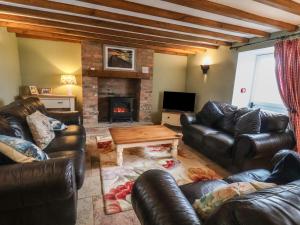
x: 117, y: 182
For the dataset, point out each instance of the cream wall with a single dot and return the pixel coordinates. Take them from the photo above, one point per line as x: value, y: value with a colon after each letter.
x: 218, y: 84
x: 169, y: 74
x: 42, y: 62
x: 10, y: 78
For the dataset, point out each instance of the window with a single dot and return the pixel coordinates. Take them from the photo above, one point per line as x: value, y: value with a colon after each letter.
x: 265, y: 93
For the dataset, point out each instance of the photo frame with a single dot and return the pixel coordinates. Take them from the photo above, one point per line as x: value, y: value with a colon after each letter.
x: 33, y: 90
x: 46, y: 91
x: 119, y: 58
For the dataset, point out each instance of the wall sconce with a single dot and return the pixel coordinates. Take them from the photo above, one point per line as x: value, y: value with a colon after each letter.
x: 205, y: 69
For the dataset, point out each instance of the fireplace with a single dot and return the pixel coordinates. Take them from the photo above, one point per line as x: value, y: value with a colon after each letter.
x: 121, y: 109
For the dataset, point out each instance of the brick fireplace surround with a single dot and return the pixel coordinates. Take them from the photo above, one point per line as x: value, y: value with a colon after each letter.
x: 98, y: 83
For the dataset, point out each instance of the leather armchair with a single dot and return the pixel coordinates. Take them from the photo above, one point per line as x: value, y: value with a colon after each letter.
x: 67, y: 117
x: 36, y: 189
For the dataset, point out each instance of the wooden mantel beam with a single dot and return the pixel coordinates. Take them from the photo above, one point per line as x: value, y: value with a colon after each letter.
x: 286, y: 5
x: 63, y: 7
x: 154, y: 11
x: 228, y: 11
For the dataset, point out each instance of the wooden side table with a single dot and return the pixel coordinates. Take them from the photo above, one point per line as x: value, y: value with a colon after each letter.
x: 58, y: 101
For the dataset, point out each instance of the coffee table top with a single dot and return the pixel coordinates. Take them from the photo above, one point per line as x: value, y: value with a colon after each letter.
x: 137, y: 134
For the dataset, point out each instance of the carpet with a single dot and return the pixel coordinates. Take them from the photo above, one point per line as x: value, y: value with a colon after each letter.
x: 117, y: 182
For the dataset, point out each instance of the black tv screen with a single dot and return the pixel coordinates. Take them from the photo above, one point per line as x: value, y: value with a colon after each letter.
x: 179, y: 101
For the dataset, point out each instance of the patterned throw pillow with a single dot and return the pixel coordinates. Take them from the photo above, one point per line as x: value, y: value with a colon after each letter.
x: 249, y: 123
x: 40, y: 128
x: 209, y: 114
x: 56, y: 124
x: 207, y: 204
x: 227, y: 123
x: 20, y: 150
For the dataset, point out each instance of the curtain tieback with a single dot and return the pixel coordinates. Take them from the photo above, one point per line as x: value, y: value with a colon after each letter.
x: 292, y: 110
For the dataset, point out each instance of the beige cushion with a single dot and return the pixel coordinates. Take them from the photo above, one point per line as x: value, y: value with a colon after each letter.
x: 211, y: 201
x: 40, y: 128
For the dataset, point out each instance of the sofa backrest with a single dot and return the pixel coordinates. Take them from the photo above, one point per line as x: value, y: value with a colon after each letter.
x: 270, y: 122
x: 14, y: 116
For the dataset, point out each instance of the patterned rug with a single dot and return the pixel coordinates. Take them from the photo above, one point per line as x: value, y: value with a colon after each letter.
x: 117, y: 181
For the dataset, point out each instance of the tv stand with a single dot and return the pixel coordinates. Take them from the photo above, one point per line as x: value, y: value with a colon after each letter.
x: 171, y: 118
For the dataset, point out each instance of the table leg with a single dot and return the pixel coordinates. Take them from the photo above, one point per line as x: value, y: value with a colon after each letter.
x: 119, y: 155
x: 174, y: 151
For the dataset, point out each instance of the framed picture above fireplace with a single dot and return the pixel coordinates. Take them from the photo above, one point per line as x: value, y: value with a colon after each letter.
x: 119, y: 58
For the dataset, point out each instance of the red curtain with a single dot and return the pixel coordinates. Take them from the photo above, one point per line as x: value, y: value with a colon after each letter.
x: 287, y: 56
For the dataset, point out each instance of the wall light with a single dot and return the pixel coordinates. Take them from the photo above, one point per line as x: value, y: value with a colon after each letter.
x: 206, y: 65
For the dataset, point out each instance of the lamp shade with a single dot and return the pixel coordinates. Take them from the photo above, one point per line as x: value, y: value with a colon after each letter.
x: 68, y: 80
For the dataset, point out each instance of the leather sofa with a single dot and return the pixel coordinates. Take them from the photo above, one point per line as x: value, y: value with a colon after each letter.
x: 238, y: 153
x: 41, y: 192
x: 157, y: 200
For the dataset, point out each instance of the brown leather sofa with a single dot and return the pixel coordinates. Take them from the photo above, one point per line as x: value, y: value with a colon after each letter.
x: 41, y: 192
x: 157, y: 200
x: 243, y: 152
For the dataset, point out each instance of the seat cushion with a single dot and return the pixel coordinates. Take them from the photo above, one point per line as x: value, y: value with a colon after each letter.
x: 251, y: 175
x: 196, y: 190
x: 219, y: 143
x: 78, y: 160
x: 71, y: 130
x: 62, y: 143
x: 201, y: 129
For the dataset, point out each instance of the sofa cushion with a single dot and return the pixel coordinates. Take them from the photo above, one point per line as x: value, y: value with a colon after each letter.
x: 193, y: 191
x: 209, y: 114
x: 71, y: 130
x: 273, y: 122
x: 201, y: 129
x: 248, y: 123
x: 251, y: 175
x: 286, y: 170
x: 227, y: 122
x: 20, y: 150
x: 40, y: 128
x: 219, y: 142
x: 240, y: 112
x: 62, y: 143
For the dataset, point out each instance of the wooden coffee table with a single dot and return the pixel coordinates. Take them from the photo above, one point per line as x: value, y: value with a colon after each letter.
x: 142, y: 136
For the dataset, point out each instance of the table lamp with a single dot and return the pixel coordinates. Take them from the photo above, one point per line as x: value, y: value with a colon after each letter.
x: 68, y: 80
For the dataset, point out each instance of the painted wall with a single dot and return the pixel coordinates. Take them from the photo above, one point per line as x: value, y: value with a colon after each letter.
x: 42, y: 62
x: 219, y: 82
x: 10, y: 79
x: 169, y: 74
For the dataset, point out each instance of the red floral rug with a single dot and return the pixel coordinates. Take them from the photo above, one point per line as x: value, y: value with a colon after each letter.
x: 117, y: 182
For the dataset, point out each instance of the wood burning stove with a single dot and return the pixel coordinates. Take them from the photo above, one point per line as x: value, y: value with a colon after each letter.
x: 121, y: 109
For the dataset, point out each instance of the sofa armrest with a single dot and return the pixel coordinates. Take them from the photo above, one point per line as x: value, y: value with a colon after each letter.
x: 157, y: 200
x: 264, y: 145
x: 187, y: 118
x: 38, y: 183
x: 67, y: 117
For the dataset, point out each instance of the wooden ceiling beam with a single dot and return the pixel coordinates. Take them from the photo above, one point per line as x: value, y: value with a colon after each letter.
x: 106, y: 24
x: 286, y: 5
x: 104, y: 41
x: 51, y: 23
x: 96, y: 36
x: 48, y: 38
x: 63, y: 7
x: 228, y: 11
x: 154, y: 11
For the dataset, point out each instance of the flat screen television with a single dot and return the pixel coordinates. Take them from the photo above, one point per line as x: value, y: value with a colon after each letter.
x: 179, y: 101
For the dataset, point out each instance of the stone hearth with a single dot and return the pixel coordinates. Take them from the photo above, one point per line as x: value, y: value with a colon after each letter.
x: 98, y: 84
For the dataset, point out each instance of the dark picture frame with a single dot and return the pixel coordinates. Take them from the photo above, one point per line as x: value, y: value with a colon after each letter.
x: 119, y: 58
